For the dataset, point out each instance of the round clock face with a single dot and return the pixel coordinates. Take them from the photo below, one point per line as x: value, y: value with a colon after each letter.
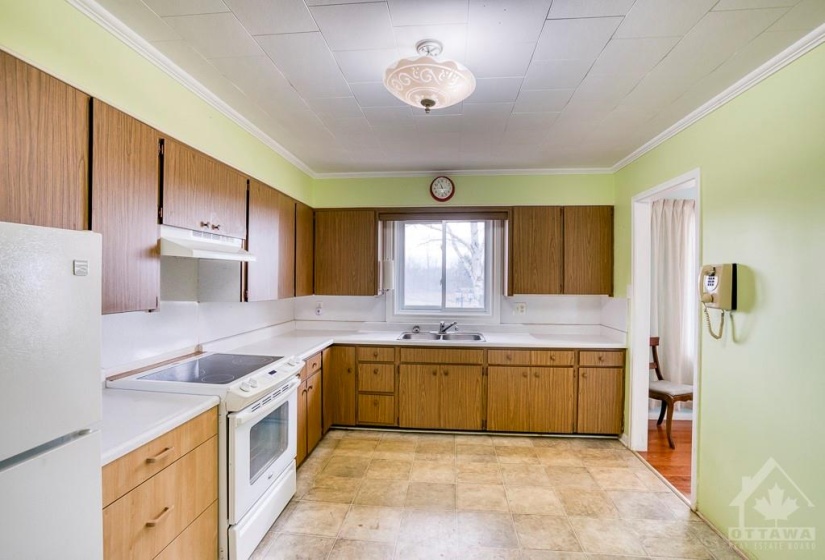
x: 442, y: 189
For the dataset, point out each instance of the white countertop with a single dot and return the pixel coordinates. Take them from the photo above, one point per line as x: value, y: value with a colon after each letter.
x: 133, y: 418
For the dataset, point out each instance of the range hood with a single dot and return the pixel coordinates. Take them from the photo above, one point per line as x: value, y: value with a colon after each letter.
x: 178, y: 242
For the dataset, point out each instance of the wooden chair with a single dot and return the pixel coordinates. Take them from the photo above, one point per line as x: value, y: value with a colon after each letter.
x: 667, y: 392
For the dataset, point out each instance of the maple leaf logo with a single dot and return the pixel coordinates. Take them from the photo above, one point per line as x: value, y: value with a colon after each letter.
x: 776, y: 507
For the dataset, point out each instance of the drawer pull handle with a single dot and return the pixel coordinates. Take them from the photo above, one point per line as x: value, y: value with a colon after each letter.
x: 601, y: 358
x: 375, y: 371
x: 160, y: 455
x: 375, y: 354
x: 552, y: 358
x: 524, y: 374
x: 161, y: 517
x: 446, y: 372
x: 435, y: 372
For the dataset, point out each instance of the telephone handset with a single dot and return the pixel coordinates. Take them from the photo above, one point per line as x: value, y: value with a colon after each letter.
x: 717, y: 290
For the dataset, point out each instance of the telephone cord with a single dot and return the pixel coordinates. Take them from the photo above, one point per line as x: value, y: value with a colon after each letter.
x: 710, y: 327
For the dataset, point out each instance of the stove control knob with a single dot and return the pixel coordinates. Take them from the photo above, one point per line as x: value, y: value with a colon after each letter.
x: 245, y: 387
x: 253, y: 383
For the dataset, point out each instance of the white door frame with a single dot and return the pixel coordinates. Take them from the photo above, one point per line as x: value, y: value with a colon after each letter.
x: 640, y: 313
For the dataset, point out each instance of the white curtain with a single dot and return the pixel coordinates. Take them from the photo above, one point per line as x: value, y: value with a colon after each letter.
x: 673, y: 287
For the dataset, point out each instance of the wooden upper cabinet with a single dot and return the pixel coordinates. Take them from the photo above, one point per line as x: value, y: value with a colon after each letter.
x: 536, y: 250
x: 44, y: 148
x: 286, y: 246
x: 304, y: 251
x: 201, y: 193
x: 125, y: 172
x: 271, y: 239
x: 588, y: 250
x: 346, y: 252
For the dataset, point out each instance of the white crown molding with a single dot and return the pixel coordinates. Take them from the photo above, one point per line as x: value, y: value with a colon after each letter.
x: 793, y: 52
x: 460, y: 172
x: 110, y: 23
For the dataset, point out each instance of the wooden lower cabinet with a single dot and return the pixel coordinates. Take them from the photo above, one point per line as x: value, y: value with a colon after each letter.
x: 310, y: 413
x: 531, y: 399
x: 440, y: 396
x: 601, y: 401
x: 340, y: 386
x: 173, y: 510
x: 301, y: 444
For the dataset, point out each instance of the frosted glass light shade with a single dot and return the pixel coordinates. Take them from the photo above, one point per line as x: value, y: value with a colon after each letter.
x: 429, y: 83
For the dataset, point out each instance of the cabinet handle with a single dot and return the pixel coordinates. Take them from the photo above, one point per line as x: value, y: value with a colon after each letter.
x: 161, y: 517
x: 601, y: 358
x: 349, y: 370
x: 205, y: 224
x: 375, y: 402
x: 216, y: 226
x: 435, y: 372
x: 446, y: 372
x: 508, y: 357
x: 584, y: 375
x: 375, y: 371
x: 536, y: 375
x: 375, y: 354
x: 308, y: 388
x: 552, y: 358
x: 160, y: 455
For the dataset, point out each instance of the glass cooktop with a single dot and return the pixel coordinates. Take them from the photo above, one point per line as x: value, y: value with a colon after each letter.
x: 215, y: 369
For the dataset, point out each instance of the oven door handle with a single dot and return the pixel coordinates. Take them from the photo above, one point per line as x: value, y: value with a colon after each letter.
x: 247, y: 415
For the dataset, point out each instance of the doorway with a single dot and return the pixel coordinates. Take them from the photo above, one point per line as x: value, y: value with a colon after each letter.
x: 679, y: 330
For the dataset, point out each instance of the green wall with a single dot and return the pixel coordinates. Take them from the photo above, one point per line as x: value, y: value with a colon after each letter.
x: 762, y: 191
x: 490, y: 190
x: 57, y: 38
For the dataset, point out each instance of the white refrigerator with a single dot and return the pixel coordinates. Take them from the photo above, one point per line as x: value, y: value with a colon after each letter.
x: 50, y: 483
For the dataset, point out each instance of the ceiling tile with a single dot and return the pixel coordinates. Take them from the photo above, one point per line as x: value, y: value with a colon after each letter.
x: 453, y: 37
x: 427, y: 12
x: 186, y: 7
x: 496, y: 90
x: 429, y: 124
x: 215, y: 35
x: 374, y: 94
x: 602, y: 91
x: 575, y: 38
x: 525, y: 135
x: 141, y: 19
x: 345, y: 126
x: 715, y: 38
x: 542, y: 100
x: 331, y: 2
x: 662, y: 18
x: 307, y: 63
x: 365, y: 66
x: 268, y: 17
x: 565, y: 9
x: 805, y: 16
x: 556, y: 74
x: 658, y: 89
x: 530, y: 121
x: 351, y: 27
x: 753, y: 4
x: 517, y: 21
x: 336, y: 108
x: 491, y: 60
x: 388, y: 116
x: 633, y: 56
x: 260, y: 79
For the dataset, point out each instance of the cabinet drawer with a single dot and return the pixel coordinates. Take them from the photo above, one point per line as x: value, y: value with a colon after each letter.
x: 144, y: 521
x: 376, y: 409
x: 552, y: 357
x: 199, y: 540
x: 599, y: 358
x: 437, y: 356
x: 508, y: 357
x: 132, y: 469
x: 313, y: 364
x: 379, y: 378
x: 376, y: 354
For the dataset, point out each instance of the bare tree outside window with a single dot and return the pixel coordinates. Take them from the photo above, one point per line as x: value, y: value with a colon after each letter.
x: 445, y: 265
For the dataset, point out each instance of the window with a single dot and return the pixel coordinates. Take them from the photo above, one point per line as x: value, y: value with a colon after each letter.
x: 444, y: 266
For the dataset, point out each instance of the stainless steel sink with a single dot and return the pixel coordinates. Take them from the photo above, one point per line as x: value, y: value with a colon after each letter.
x: 454, y: 337
x: 477, y: 337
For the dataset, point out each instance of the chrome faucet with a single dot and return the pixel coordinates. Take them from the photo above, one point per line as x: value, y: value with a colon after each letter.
x: 442, y: 329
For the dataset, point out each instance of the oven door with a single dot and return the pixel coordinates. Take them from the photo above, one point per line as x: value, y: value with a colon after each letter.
x: 262, y: 443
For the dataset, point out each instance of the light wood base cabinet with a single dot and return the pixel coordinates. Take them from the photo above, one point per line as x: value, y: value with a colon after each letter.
x: 340, y: 386
x: 310, y: 413
x: 531, y: 399
x: 447, y: 397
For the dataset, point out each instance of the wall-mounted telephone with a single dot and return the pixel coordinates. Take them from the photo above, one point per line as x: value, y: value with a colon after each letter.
x: 717, y: 290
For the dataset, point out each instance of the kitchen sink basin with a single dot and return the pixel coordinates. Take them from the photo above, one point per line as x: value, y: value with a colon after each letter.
x: 446, y: 337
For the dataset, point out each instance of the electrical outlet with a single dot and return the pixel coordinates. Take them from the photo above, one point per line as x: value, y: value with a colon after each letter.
x: 319, y: 309
x: 519, y: 308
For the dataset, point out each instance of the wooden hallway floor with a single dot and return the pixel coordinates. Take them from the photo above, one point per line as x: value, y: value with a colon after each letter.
x: 673, y: 464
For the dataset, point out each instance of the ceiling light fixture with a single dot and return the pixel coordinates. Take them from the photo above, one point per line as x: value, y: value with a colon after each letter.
x: 426, y: 82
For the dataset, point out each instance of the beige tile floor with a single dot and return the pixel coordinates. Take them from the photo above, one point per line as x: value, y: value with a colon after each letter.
x: 374, y: 495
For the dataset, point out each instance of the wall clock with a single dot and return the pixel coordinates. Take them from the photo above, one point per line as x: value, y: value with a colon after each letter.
x: 442, y: 188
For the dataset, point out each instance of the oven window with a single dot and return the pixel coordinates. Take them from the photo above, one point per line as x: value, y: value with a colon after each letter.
x: 268, y: 440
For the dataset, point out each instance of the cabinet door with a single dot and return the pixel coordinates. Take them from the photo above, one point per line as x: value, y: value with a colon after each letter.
x: 201, y: 193
x: 286, y: 247
x: 302, y: 423
x: 304, y: 251
x: 346, y: 253
x: 600, y: 400
x: 339, y: 385
x: 536, y: 250
x: 508, y: 392
x: 552, y: 404
x: 460, y: 397
x: 263, y: 242
x: 418, y: 396
x: 313, y: 424
x: 44, y: 148
x: 126, y: 174
x: 588, y: 250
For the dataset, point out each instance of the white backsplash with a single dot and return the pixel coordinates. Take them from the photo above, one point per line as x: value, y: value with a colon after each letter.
x: 341, y: 308
x: 553, y: 310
